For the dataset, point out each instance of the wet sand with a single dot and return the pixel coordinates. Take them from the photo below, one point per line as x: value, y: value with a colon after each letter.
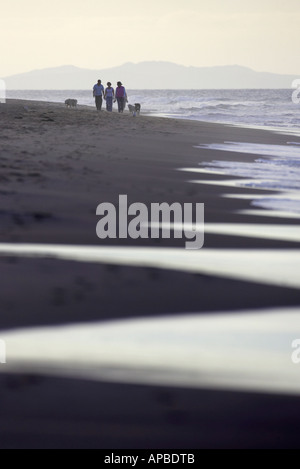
x: 56, y: 166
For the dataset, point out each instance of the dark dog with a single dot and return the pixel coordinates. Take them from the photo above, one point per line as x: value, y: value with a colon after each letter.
x: 71, y: 102
x: 137, y: 107
x: 135, y: 110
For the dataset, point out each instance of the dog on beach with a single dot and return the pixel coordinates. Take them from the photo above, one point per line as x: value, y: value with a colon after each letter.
x: 71, y: 102
x: 135, y: 110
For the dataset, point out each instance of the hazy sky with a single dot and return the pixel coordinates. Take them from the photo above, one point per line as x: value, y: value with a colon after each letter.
x: 261, y: 34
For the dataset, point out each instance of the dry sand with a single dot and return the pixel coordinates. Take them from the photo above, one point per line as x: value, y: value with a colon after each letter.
x: 56, y: 166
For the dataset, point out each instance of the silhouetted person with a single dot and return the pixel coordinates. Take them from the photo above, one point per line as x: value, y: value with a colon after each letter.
x: 121, y: 96
x: 98, y: 93
x: 109, y: 95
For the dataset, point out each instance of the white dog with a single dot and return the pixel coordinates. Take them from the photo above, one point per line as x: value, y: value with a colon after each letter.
x: 71, y: 102
x: 135, y: 110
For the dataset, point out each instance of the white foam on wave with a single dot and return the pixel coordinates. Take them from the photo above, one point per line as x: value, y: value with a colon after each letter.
x: 274, y: 203
x: 248, y: 230
x: 275, y: 128
x: 255, y: 148
x: 245, y: 350
x: 269, y: 213
x: 283, y: 205
x: 280, y: 172
x: 280, y: 267
x: 292, y: 196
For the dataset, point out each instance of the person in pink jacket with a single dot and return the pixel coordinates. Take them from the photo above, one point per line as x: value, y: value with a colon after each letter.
x: 121, y: 96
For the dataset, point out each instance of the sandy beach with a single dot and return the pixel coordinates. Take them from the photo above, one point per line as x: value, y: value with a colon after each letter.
x: 56, y: 166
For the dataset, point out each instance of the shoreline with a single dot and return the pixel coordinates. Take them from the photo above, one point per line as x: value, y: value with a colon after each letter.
x: 280, y: 130
x: 76, y: 159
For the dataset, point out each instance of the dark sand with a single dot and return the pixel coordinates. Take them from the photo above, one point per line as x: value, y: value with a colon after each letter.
x: 56, y: 166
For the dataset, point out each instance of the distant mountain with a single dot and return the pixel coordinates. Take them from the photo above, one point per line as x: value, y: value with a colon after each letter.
x: 149, y: 75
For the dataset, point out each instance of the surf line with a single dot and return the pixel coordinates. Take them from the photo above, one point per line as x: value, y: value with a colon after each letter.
x: 160, y: 220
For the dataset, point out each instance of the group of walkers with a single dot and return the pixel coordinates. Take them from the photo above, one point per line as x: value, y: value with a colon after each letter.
x: 110, y: 95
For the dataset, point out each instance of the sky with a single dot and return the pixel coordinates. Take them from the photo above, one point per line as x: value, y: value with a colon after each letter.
x: 260, y: 34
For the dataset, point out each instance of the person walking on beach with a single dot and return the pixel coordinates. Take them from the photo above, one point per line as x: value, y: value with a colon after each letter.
x: 121, y: 96
x: 98, y: 93
x: 108, y: 96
